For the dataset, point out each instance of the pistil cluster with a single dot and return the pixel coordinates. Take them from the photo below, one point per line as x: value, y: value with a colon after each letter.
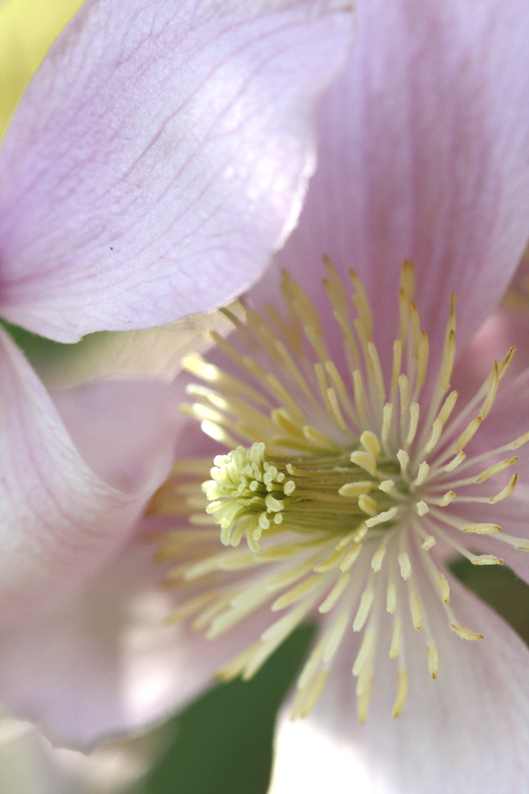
x: 344, y: 483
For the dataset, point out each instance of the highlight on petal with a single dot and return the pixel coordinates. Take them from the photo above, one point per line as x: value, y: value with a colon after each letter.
x: 59, y: 521
x: 465, y: 731
x: 158, y: 157
x: 424, y: 155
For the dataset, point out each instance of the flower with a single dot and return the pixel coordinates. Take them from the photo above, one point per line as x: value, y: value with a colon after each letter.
x: 157, y: 158
x: 355, y: 459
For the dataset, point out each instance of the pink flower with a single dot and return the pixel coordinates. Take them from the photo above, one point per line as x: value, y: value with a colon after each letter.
x: 352, y: 467
x: 158, y: 157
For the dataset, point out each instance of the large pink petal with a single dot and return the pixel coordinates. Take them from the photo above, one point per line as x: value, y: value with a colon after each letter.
x: 103, y: 662
x: 59, y: 520
x: 158, y: 157
x: 424, y: 155
x: 465, y: 732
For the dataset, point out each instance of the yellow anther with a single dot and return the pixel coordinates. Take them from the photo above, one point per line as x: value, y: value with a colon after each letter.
x: 444, y: 588
x: 465, y: 633
x: 365, y: 460
x: 356, y: 488
x: 367, y: 504
x: 402, y: 692
x: 422, y: 473
x: 405, y: 565
x: 422, y: 508
x: 455, y: 462
x: 505, y: 492
x: 468, y: 433
x: 370, y: 442
x: 433, y: 659
x: 416, y: 614
x: 482, y: 529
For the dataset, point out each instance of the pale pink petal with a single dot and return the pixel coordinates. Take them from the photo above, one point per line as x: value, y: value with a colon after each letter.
x: 424, y: 155
x: 465, y: 732
x: 103, y: 662
x: 154, y: 353
x: 126, y: 431
x: 158, y: 158
x: 59, y: 521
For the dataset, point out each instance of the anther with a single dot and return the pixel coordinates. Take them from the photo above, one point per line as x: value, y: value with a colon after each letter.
x: 505, y: 492
x: 365, y: 460
x: 402, y: 692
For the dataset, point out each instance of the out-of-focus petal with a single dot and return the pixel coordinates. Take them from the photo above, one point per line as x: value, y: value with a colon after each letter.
x: 158, y: 157
x: 30, y: 765
x: 466, y: 731
x: 154, y: 353
x: 59, y: 520
x: 109, y: 663
x: 424, y: 155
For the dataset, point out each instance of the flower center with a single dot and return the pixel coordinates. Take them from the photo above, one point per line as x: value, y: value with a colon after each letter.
x: 342, y: 477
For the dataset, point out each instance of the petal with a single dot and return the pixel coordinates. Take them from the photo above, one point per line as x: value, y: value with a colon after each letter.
x: 154, y: 353
x: 103, y: 662
x: 125, y: 430
x: 59, y: 520
x: 424, y: 155
x: 30, y: 765
x: 158, y: 157
x: 466, y: 731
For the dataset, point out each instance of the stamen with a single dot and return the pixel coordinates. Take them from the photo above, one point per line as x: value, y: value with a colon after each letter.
x: 505, y: 492
x: 365, y: 460
x: 335, y: 636
x: 405, y: 565
x: 402, y: 693
x: 416, y: 613
x: 334, y: 492
x: 422, y: 473
x: 383, y: 517
x: 352, y: 489
x: 403, y: 459
x: 370, y: 443
x: 414, y: 421
x: 336, y: 593
x: 396, y: 638
x: 433, y: 659
x: 366, y: 602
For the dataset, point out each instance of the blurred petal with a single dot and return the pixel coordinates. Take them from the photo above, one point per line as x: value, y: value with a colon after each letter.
x: 109, y: 663
x: 466, y: 731
x: 30, y: 765
x: 59, y: 520
x: 154, y: 353
x: 424, y: 155
x: 158, y: 158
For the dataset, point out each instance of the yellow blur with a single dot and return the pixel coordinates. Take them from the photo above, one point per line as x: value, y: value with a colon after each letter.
x: 27, y: 29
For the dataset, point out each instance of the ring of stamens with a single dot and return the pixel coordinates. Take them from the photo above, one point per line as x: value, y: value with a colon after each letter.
x: 341, y: 486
